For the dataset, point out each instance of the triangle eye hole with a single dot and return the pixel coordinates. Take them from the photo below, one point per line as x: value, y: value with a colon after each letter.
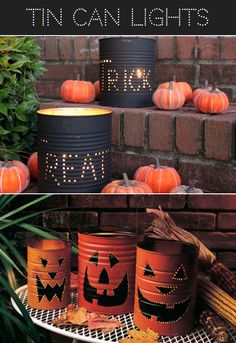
x: 113, y: 260
x: 60, y: 261
x: 180, y: 273
x: 94, y: 259
x: 44, y: 262
x: 148, y: 271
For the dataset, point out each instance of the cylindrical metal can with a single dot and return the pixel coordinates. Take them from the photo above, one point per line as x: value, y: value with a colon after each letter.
x: 166, y: 282
x: 106, y: 267
x: 48, y: 274
x: 127, y: 71
x: 74, y: 149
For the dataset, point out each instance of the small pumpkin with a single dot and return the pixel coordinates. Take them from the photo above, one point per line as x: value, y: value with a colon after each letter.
x: 168, y: 99
x: 14, y: 177
x: 126, y: 186
x: 182, y: 86
x: 33, y: 165
x: 183, y: 189
x: 97, y: 89
x: 212, y: 102
x: 199, y: 91
x: 78, y: 91
x: 161, y: 179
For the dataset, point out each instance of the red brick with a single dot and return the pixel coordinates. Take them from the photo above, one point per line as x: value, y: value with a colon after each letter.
x: 48, y: 89
x: 53, y: 201
x: 66, y: 48
x: 185, y: 47
x: 228, y: 259
x: 94, y: 48
x: 62, y: 72
x: 161, y: 130
x: 165, y: 47
x: 218, y: 136
x: 134, y: 127
x: 214, y: 202
x: 221, y: 73
x: 183, y: 72
x: 188, y: 133
x: 211, y: 177
x: 51, y: 49
x: 154, y: 201
x: 67, y: 220
x: 126, y: 219
x: 217, y: 240
x: 129, y: 162
x: 91, y: 72
x: 80, y: 48
x: 101, y: 201
x: 226, y: 221
x: 195, y: 220
x: 228, y: 48
x: 208, y: 48
x: 116, y: 115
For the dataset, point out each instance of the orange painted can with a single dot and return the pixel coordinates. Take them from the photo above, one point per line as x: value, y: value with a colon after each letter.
x: 106, y: 267
x: 166, y: 283
x: 48, y: 274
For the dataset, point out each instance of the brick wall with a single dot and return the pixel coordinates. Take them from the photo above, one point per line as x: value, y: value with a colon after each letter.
x: 212, y: 218
x: 199, y: 146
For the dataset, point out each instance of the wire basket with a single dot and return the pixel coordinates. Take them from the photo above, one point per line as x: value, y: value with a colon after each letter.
x: 44, y: 319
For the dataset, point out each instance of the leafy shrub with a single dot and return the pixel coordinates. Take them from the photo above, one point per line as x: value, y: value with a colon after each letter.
x: 19, y: 68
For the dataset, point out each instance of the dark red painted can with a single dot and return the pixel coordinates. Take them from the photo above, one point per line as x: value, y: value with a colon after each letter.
x: 106, y: 267
x: 166, y: 282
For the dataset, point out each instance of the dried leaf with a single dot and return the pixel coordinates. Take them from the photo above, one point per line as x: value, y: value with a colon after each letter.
x: 72, y: 317
x: 140, y: 336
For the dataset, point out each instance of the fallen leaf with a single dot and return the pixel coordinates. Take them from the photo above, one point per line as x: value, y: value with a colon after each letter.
x: 141, y: 336
x: 72, y: 316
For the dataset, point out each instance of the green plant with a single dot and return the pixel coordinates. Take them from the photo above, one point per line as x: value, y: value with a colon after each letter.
x: 13, y: 267
x: 19, y: 68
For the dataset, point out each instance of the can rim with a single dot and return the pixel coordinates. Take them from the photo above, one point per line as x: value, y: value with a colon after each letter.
x: 37, y: 245
x: 149, y: 245
x: 107, y: 232
x: 127, y: 37
x: 74, y: 111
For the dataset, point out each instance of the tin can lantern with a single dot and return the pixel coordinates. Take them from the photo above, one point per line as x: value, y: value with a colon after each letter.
x: 74, y: 150
x: 48, y: 274
x: 106, y: 266
x: 127, y: 71
x: 166, y: 282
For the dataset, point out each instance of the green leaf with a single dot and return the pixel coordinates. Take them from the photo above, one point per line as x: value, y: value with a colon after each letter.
x: 20, y: 128
x: 3, y: 131
x: 3, y: 109
x: 5, y: 257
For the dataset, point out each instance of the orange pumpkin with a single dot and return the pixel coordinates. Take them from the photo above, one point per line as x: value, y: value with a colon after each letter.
x: 212, y: 102
x: 14, y: 177
x: 168, y: 99
x: 184, y: 87
x: 78, y: 91
x: 33, y: 165
x: 161, y: 179
x: 199, y: 91
x: 97, y: 89
x: 126, y: 186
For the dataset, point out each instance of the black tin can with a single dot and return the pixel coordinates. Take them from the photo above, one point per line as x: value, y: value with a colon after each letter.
x: 127, y: 71
x: 74, y: 150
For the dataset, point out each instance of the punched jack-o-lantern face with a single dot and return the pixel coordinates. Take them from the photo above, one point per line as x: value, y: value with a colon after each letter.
x: 106, y: 296
x: 165, y: 286
x: 106, y: 273
x: 48, y: 274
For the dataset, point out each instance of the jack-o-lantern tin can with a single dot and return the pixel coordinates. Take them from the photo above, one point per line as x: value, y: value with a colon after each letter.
x: 166, y: 282
x: 106, y: 271
x: 48, y: 274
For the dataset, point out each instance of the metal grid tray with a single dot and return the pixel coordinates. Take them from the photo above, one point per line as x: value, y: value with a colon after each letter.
x: 44, y: 319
